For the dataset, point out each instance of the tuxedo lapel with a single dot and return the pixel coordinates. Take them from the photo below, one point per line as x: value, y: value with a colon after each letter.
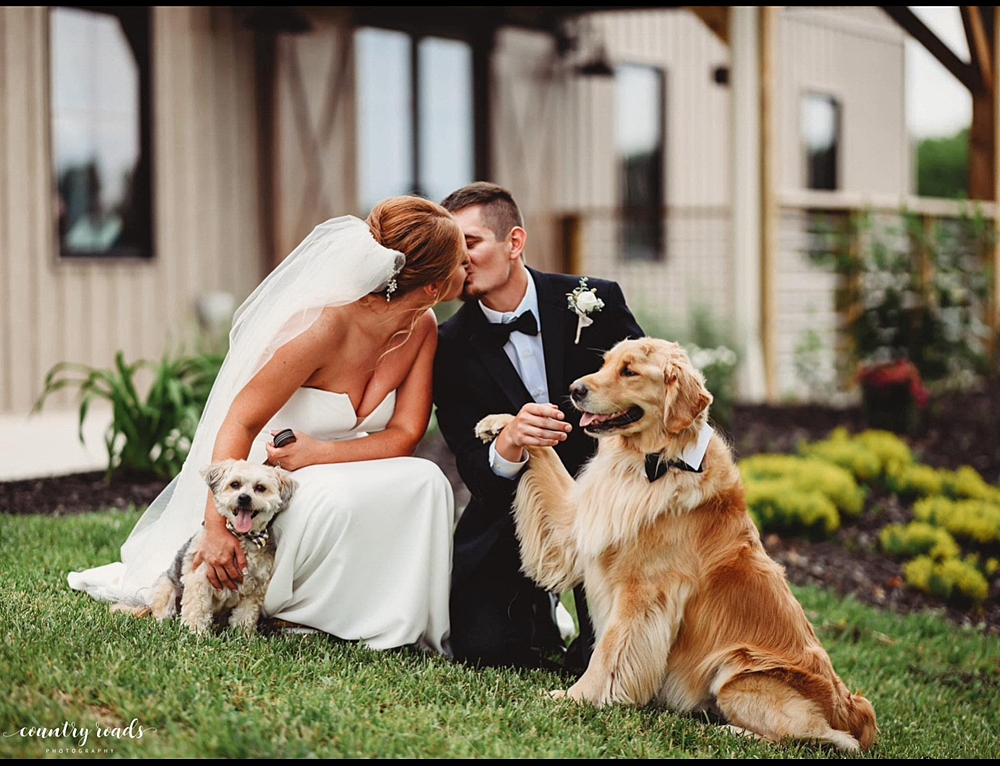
x: 552, y: 307
x: 494, y: 358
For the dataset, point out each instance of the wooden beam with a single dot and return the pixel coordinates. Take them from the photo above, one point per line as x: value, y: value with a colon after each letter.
x: 715, y: 17
x: 909, y: 21
x: 769, y: 210
x: 979, y: 45
x: 994, y: 305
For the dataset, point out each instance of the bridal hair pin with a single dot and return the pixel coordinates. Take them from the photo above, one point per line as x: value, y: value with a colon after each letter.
x: 390, y: 289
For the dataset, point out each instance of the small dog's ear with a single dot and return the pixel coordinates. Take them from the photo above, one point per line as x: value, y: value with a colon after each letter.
x: 213, y: 473
x: 692, y: 398
x: 286, y: 485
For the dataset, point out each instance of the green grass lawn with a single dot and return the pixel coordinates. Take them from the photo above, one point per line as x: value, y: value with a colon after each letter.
x: 65, y: 661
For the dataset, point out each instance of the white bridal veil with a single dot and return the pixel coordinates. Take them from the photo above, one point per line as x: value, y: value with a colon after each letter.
x: 338, y: 263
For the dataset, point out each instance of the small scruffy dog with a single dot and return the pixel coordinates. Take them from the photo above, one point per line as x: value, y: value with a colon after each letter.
x: 249, y: 496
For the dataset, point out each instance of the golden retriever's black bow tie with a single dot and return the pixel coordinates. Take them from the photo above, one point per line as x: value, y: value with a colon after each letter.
x: 499, y: 333
x: 656, y: 466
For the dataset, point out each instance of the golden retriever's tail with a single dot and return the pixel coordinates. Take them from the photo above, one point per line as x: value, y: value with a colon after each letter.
x: 861, y: 720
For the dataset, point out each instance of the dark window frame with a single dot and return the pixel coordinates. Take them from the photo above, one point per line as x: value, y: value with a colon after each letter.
x: 480, y: 46
x: 136, y: 24
x: 813, y: 178
x: 646, y: 221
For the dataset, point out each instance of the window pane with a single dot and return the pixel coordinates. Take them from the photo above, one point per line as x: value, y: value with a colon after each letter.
x: 639, y: 97
x: 97, y: 136
x: 446, y: 126
x: 385, y: 108
x: 821, y: 133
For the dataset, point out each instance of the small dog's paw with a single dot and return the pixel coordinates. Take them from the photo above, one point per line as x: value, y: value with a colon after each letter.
x: 488, y: 428
x: 134, y: 610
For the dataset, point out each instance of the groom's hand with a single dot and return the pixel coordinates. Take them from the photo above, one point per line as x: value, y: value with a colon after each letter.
x: 536, y: 425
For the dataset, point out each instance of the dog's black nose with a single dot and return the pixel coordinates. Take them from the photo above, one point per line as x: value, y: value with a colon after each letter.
x: 578, y: 391
x: 244, y: 499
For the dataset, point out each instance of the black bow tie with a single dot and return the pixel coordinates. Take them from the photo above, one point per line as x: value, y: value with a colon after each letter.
x: 656, y: 466
x: 499, y: 333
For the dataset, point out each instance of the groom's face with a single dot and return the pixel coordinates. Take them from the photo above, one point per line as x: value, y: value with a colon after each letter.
x: 490, y: 258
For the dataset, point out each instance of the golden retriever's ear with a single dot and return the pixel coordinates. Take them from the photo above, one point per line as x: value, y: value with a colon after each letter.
x: 213, y: 473
x: 692, y: 398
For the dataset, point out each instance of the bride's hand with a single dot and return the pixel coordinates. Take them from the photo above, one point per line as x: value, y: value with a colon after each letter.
x: 298, y: 454
x: 222, y: 553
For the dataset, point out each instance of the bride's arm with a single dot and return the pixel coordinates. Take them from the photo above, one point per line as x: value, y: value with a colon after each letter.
x: 403, y: 432
x: 253, y: 407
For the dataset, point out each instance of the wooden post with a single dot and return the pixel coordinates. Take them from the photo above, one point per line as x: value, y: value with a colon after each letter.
x: 769, y: 210
x: 744, y: 33
x: 994, y: 303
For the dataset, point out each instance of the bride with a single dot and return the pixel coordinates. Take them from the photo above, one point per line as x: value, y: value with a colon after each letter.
x: 337, y: 343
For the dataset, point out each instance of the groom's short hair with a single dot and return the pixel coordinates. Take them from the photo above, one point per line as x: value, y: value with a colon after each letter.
x: 500, y: 211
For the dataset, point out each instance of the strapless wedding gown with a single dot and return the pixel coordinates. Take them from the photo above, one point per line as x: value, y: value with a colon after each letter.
x: 363, y: 549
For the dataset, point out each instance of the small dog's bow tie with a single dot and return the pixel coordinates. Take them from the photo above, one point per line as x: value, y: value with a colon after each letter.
x: 257, y: 538
x: 499, y: 333
x: 656, y: 466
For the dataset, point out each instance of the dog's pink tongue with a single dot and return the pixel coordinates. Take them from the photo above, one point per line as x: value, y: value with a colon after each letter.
x: 589, y: 417
x: 244, y: 522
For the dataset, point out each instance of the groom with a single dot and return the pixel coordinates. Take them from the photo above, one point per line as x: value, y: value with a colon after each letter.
x: 512, y: 348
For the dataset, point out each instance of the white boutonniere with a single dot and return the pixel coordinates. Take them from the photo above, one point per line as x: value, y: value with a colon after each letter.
x: 583, y: 301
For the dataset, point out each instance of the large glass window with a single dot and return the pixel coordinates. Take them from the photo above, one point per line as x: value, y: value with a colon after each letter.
x: 821, y: 135
x: 639, y: 142
x: 415, y: 117
x: 100, y: 130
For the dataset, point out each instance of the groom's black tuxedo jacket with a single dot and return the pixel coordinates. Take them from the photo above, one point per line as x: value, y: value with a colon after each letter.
x: 474, y: 378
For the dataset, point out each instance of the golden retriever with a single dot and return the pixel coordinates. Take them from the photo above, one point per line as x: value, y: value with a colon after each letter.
x: 689, y: 610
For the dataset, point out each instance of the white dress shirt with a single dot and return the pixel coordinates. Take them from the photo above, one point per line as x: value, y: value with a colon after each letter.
x: 527, y: 355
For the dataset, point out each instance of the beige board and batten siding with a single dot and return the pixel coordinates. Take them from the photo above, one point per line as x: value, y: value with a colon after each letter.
x: 696, y: 273
x: 207, y: 227
x: 315, y: 146
x: 856, y: 55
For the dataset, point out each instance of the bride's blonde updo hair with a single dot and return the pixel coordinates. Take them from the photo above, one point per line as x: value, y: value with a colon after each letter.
x: 423, y: 231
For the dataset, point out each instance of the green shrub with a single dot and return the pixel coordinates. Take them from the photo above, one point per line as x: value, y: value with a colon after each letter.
x: 808, y: 474
x: 976, y: 520
x: 782, y: 504
x: 150, y: 435
x: 951, y: 579
x: 918, y: 538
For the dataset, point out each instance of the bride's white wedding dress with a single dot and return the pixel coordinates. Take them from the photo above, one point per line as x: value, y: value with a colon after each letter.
x: 364, y: 549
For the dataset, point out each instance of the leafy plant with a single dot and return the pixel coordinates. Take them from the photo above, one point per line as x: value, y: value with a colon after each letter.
x: 148, y: 434
x: 913, y: 290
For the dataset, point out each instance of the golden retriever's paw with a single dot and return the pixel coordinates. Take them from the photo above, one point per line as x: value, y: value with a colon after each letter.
x: 489, y: 427
x: 556, y: 694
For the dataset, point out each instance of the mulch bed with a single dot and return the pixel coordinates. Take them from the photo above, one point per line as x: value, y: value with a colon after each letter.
x: 954, y: 430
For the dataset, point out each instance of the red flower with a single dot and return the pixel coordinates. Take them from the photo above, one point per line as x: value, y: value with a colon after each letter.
x: 895, y: 373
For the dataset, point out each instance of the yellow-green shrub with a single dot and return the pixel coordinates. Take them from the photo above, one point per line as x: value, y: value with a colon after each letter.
x: 914, y: 480
x: 888, y: 448
x: 783, y: 504
x: 808, y: 474
x: 918, y: 538
x: 950, y: 579
x: 967, y: 483
x: 840, y: 449
x: 977, y: 520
